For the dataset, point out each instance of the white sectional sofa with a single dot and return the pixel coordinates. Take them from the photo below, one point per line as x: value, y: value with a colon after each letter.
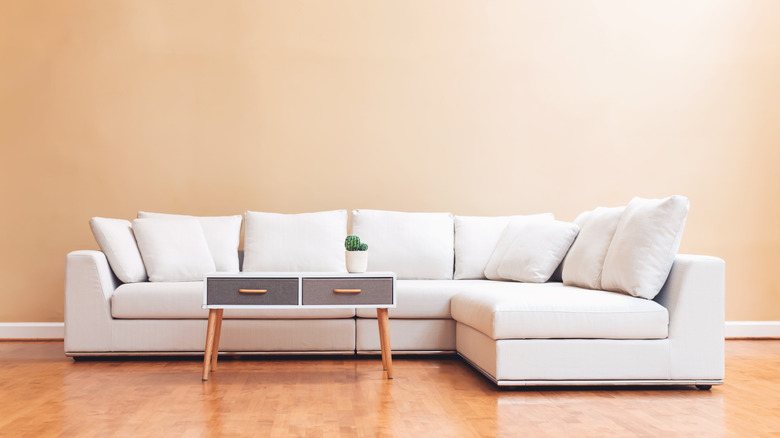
x: 515, y: 333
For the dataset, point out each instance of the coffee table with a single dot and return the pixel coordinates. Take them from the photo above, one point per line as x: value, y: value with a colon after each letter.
x: 296, y: 290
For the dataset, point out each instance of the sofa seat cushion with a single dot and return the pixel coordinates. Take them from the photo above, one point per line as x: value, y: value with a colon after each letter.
x: 505, y: 310
x: 420, y: 299
x: 180, y: 300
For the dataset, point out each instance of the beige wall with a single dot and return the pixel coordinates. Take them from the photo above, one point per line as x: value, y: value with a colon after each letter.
x: 473, y: 107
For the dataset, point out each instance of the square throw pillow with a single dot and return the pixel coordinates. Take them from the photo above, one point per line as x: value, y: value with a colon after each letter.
x: 413, y: 245
x: 173, y: 249
x: 536, y: 251
x: 223, y: 234
x: 508, y: 235
x: 585, y: 260
x: 476, y: 238
x: 117, y: 241
x: 644, y: 246
x: 314, y: 242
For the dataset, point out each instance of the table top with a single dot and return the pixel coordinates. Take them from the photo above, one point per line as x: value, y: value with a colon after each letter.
x: 379, y: 274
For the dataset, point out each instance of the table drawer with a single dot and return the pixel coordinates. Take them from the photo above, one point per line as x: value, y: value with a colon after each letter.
x: 347, y: 291
x: 249, y: 291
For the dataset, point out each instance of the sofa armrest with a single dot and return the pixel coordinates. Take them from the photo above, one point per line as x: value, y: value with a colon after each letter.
x: 89, y: 284
x: 694, y: 295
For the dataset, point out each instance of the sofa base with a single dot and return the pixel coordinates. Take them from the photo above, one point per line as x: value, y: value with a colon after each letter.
x: 697, y: 383
x: 693, y: 352
x: 409, y: 352
x: 407, y: 335
x: 172, y: 336
x: 87, y: 354
x: 571, y: 362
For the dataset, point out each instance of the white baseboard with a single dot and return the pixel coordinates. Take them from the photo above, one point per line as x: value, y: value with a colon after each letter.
x: 32, y: 330
x: 752, y: 329
x: 56, y: 330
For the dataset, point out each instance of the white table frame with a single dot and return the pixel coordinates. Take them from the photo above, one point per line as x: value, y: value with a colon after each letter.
x: 214, y: 329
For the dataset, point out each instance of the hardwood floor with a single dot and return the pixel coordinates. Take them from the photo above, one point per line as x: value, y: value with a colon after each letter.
x: 45, y: 394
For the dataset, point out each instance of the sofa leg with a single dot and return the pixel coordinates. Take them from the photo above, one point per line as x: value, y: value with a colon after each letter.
x: 704, y: 387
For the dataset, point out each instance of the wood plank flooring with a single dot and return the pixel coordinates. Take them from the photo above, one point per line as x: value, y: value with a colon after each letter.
x: 45, y: 394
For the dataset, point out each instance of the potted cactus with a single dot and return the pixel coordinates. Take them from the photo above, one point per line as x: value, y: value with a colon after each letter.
x: 357, y: 254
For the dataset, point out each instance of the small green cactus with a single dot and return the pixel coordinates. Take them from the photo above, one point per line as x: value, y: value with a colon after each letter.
x: 352, y: 243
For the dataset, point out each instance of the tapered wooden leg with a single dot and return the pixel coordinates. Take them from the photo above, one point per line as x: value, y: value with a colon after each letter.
x: 381, y: 338
x: 210, y: 332
x: 217, y: 335
x: 384, y: 340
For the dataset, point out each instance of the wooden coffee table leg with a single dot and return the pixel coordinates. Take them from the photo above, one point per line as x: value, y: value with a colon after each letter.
x: 217, y: 335
x: 210, y: 332
x: 381, y: 338
x: 384, y: 339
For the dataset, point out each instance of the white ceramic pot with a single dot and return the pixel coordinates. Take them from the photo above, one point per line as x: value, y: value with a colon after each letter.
x: 357, y: 261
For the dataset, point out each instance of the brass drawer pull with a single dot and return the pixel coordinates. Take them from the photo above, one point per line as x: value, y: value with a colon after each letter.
x: 252, y: 291
x: 347, y: 291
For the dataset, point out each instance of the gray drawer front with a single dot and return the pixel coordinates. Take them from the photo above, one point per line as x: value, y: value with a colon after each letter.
x: 319, y: 291
x: 281, y: 291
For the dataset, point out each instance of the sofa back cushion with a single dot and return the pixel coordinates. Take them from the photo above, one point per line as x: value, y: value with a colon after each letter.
x: 644, y: 247
x: 222, y: 233
x: 413, y: 245
x: 275, y: 242
x: 476, y: 238
x: 173, y: 249
x: 117, y: 241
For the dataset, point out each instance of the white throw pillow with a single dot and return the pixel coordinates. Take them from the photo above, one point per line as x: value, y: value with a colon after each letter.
x: 223, y: 234
x: 413, y: 245
x: 508, y: 235
x: 275, y: 242
x: 537, y: 250
x: 644, y: 246
x: 173, y: 249
x: 116, y: 240
x: 476, y: 238
x: 585, y: 260
x: 558, y: 274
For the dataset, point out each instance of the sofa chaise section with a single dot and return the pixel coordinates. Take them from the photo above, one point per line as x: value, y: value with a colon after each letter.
x: 522, y: 340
